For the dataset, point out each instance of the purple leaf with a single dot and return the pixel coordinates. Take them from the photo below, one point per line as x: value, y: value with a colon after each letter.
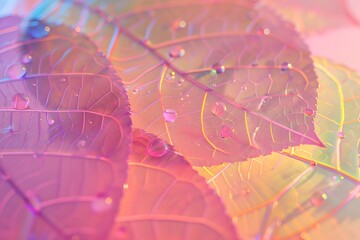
x: 65, y: 134
x: 166, y: 199
x: 223, y: 81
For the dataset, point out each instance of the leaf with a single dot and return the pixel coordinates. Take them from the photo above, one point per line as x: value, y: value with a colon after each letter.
x: 166, y: 199
x: 306, y: 192
x: 65, y: 134
x: 315, y: 16
x: 222, y: 82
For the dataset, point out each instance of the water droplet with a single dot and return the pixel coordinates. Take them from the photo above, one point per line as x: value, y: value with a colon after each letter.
x: 243, y: 88
x: 171, y: 76
x: 179, y: 24
x: 218, y: 68
x: 313, y: 163
x: 285, y: 66
x: 101, y: 203
x: 125, y: 186
x: 318, y: 198
x: 170, y: 115
x: 180, y: 81
x: 62, y: 80
x: 157, y: 148
x: 16, y: 71
x: 341, y: 135
x: 27, y: 58
x: 77, y: 29
x: 244, y: 191
x: 218, y: 109
x: 91, y: 122
x: 266, y: 31
x: 81, y: 143
x: 20, y: 101
x: 50, y: 121
x: 135, y: 90
x: 38, y: 29
x: 177, y: 52
x: 308, y: 112
x: 226, y: 131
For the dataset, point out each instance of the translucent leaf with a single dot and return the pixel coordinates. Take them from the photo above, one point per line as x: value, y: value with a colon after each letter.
x: 18, y: 7
x: 222, y: 82
x: 306, y: 192
x: 64, y: 134
x: 166, y: 199
x: 313, y: 16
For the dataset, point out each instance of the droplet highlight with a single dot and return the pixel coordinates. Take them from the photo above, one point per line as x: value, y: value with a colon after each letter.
x: 157, y: 148
x: 218, y: 109
x: 101, y: 203
x: 177, y: 52
x: 21, y: 101
x: 218, y: 68
x: 16, y: 71
x: 285, y: 66
x: 27, y: 58
x: 170, y: 115
x: 38, y: 29
x: 318, y: 198
x: 309, y: 112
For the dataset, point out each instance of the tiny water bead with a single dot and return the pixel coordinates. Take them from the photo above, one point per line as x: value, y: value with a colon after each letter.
x: 135, y: 91
x: 170, y: 115
x: 226, y: 131
x: 81, y: 143
x: 309, y: 112
x: 157, y: 148
x: 101, y: 203
x: 179, y: 24
x: 38, y: 29
x: 171, y: 76
x: 16, y: 71
x: 177, y: 52
x: 218, y: 68
x: 218, y: 109
x: 27, y: 58
x: 21, y: 101
x: 341, y: 135
x: 285, y: 66
x: 318, y: 198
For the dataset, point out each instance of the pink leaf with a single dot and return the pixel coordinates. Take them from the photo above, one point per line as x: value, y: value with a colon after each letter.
x: 223, y: 81
x: 65, y: 133
x: 166, y: 199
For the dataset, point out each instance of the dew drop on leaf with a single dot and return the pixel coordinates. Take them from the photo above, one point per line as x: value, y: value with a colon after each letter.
x: 218, y: 68
x: 20, y: 101
x: 16, y: 71
x: 341, y: 135
x: 309, y: 112
x: 38, y: 29
x: 81, y: 143
x: 177, y: 52
x: 179, y: 24
x: 27, y: 58
x: 218, y: 109
x: 318, y: 198
x: 285, y: 66
x: 226, y: 131
x: 101, y: 203
x: 50, y: 122
x: 171, y: 76
x: 170, y: 115
x: 157, y: 148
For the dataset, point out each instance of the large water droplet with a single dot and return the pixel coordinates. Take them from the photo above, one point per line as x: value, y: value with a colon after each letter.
x: 226, y: 131
x: 27, y: 58
x: 20, y: 101
x: 341, y: 135
x: 218, y: 68
x: 101, y: 203
x: 218, y: 109
x: 16, y: 71
x: 38, y: 29
x: 157, y: 148
x: 318, y: 198
x: 308, y: 112
x: 170, y: 115
x: 177, y: 52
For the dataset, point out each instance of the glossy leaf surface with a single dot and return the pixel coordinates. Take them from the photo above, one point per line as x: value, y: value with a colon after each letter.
x: 221, y: 80
x: 165, y: 198
x: 306, y: 192
x: 65, y: 134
